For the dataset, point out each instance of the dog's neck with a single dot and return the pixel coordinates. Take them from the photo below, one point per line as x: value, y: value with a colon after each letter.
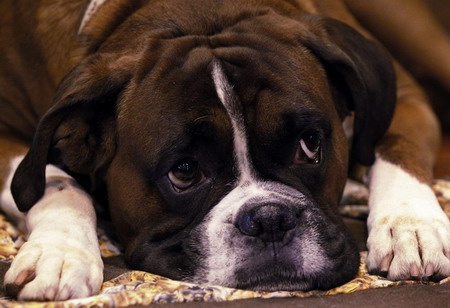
x: 90, y: 11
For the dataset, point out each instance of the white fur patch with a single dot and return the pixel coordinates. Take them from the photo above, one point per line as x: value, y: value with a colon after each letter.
x: 62, y: 249
x: 7, y: 203
x: 409, y: 234
x: 90, y: 11
x: 223, y: 258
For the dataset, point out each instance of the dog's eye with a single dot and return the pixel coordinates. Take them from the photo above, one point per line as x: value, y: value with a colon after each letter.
x: 185, y: 175
x: 308, y: 150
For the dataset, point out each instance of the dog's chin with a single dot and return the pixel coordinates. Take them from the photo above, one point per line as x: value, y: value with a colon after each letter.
x: 272, y: 284
x: 273, y: 278
x: 285, y: 276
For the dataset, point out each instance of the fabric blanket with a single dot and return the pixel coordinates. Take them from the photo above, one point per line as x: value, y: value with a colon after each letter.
x: 140, y: 288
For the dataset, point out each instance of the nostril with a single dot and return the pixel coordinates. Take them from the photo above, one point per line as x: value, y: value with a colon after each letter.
x: 288, y: 221
x: 250, y: 225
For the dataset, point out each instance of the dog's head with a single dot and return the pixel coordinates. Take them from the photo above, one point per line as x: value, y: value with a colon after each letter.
x: 220, y: 143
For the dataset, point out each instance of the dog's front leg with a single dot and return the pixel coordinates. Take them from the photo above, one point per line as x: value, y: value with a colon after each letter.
x: 409, y: 234
x: 61, y: 258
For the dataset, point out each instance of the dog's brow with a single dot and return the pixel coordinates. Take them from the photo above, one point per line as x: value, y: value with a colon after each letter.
x: 232, y: 105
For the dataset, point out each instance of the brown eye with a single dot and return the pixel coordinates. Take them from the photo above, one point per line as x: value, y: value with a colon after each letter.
x: 185, y: 175
x: 308, y: 150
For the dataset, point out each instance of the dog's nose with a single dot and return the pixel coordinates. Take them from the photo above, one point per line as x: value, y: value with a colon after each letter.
x: 269, y: 222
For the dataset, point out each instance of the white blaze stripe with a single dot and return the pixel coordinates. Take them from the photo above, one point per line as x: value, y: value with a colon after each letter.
x: 90, y: 11
x: 231, y: 103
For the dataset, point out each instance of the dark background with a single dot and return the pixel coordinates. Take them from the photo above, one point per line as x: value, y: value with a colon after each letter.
x: 441, y: 98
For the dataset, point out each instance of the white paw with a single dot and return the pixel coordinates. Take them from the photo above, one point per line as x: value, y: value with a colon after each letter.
x: 409, y: 234
x: 409, y: 246
x: 49, y: 271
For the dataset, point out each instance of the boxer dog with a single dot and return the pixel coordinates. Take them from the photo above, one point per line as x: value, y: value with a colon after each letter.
x: 212, y: 131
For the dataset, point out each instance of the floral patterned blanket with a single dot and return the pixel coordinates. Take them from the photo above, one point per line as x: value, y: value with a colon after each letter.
x: 141, y: 288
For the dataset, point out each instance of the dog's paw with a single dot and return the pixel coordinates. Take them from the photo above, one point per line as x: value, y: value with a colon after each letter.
x: 50, y: 271
x: 410, y: 246
x: 409, y: 233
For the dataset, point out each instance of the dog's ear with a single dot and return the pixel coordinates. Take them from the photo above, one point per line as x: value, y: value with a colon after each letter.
x: 361, y: 75
x: 78, y: 132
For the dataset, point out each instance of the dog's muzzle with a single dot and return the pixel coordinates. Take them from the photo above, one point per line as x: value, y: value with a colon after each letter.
x: 268, y: 236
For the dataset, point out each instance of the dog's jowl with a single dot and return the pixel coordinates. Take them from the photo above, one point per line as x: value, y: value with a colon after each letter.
x: 212, y: 133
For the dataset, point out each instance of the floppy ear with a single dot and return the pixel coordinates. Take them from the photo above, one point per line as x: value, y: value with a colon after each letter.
x: 362, y: 77
x: 78, y: 132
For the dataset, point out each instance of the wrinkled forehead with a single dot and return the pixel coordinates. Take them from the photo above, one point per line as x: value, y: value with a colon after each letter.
x: 175, y: 92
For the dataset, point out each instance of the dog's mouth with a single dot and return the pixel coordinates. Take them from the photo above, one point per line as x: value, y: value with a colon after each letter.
x: 290, y: 270
x: 276, y: 277
x: 273, y: 278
